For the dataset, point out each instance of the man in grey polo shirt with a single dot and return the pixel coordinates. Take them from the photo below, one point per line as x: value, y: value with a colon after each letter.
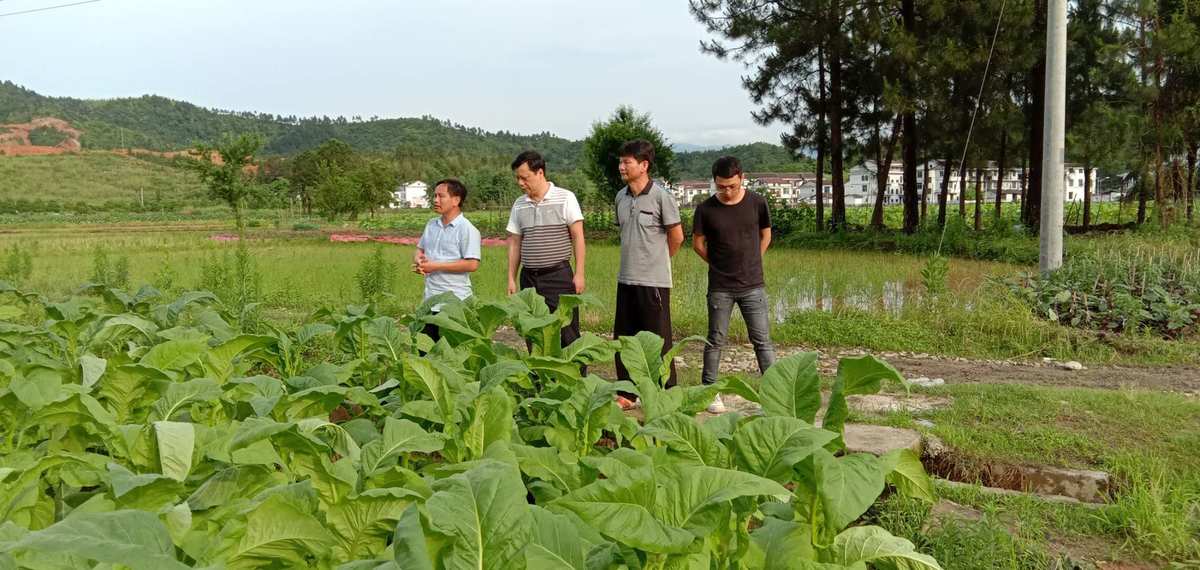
x: 650, y: 235
x: 545, y: 227
x: 449, y: 249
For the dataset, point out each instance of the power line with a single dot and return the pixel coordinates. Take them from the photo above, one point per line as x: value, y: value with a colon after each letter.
x: 47, y: 8
x: 978, y: 103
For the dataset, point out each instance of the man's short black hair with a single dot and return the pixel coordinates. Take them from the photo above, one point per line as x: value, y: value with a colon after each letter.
x: 641, y: 150
x: 456, y: 188
x: 532, y: 158
x: 727, y: 167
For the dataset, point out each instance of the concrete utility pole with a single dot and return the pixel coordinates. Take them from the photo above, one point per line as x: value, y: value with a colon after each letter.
x: 1054, y: 143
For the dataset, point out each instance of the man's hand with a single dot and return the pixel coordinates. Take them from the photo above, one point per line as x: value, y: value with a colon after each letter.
x: 580, y: 284
x: 512, y: 287
x: 418, y: 259
x: 425, y: 267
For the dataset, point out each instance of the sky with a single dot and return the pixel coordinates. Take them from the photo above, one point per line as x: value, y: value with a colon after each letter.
x: 524, y: 66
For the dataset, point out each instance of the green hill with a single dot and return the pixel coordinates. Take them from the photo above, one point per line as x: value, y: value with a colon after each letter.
x: 755, y: 157
x: 158, y: 123
x: 95, y: 180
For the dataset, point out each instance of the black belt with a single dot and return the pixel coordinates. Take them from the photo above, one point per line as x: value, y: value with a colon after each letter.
x: 548, y: 269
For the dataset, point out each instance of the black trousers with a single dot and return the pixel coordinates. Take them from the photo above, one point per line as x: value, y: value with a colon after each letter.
x: 550, y: 283
x: 433, y: 332
x: 641, y: 308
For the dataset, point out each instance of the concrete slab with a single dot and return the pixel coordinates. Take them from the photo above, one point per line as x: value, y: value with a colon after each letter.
x: 879, y: 440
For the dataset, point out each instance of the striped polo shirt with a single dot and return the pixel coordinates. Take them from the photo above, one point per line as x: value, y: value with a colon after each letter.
x: 543, y: 227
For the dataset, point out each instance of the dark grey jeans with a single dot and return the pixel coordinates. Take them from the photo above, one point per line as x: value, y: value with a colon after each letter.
x: 756, y: 313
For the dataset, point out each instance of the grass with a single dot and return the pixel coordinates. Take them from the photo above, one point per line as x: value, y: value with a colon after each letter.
x: 1147, y: 441
x: 96, y: 179
x: 819, y: 298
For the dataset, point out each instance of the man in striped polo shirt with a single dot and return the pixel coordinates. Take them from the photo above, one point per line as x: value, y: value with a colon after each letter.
x: 544, y: 227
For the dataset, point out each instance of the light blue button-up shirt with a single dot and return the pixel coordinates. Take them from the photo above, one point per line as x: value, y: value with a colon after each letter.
x: 449, y: 242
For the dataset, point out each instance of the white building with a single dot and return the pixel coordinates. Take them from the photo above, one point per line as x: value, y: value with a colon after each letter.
x: 862, y: 181
x: 692, y: 192
x: 410, y: 195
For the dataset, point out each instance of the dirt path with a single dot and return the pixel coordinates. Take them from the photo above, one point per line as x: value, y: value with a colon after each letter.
x: 953, y: 370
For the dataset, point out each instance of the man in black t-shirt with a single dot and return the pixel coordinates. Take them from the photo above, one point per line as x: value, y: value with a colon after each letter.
x: 730, y: 231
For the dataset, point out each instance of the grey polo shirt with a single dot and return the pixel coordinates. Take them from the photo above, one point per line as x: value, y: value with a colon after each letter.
x: 644, y: 220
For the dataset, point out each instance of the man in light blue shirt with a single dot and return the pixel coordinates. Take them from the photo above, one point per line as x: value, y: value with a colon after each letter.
x: 449, y: 250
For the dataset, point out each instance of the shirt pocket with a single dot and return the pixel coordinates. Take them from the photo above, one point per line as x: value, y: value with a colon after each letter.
x: 649, y: 220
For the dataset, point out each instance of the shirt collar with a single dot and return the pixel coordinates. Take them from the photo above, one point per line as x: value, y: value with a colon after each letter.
x: 645, y: 191
x: 549, y: 189
x: 452, y: 222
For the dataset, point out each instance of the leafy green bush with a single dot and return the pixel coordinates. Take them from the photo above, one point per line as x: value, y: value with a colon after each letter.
x: 1119, y: 292
x: 305, y: 226
x: 18, y: 264
x: 376, y: 276
x: 147, y: 432
x: 109, y: 272
x: 47, y: 136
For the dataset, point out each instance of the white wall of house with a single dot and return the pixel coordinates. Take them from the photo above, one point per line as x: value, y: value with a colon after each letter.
x: 411, y: 195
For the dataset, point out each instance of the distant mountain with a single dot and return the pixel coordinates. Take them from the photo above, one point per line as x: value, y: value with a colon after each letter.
x: 688, y: 147
x: 162, y: 124
x: 755, y: 157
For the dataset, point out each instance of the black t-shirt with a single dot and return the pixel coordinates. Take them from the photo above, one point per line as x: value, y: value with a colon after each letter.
x: 732, y: 236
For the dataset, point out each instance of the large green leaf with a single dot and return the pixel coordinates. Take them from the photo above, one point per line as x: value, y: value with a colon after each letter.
x: 181, y: 394
x: 548, y: 464
x: 846, y: 486
x: 689, y: 493
x: 906, y: 473
x: 872, y: 545
x: 91, y: 368
x: 492, y: 421
x: 792, y: 387
x: 176, y: 443
x: 174, y: 354
x: 231, y: 483
x: 363, y: 524
x: 146, y: 491
x: 132, y: 538
x: 399, y: 436
x: 862, y: 375
x: 497, y: 374
x: 220, y: 361
x: 784, y: 545
x: 769, y: 447
x: 555, y: 544
x: 688, y: 439
x: 484, y: 513
x: 410, y: 546
x: 435, y: 382
x: 37, y: 387
x: 622, y: 507
x: 278, y: 531
x: 641, y: 354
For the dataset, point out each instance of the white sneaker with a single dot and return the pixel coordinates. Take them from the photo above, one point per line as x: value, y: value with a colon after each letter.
x: 717, y: 406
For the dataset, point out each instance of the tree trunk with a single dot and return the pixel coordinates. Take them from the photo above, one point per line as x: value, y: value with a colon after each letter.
x: 978, y: 198
x: 1025, y: 189
x: 962, y: 190
x: 912, y: 218
x: 944, y: 195
x: 1160, y: 198
x: 1000, y: 176
x: 884, y: 165
x: 1087, y: 194
x: 820, y: 194
x: 924, y: 191
x: 835, y: 119
x: 1191, y: 181
x: 1143, y: 183
x: 1037, y: 81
